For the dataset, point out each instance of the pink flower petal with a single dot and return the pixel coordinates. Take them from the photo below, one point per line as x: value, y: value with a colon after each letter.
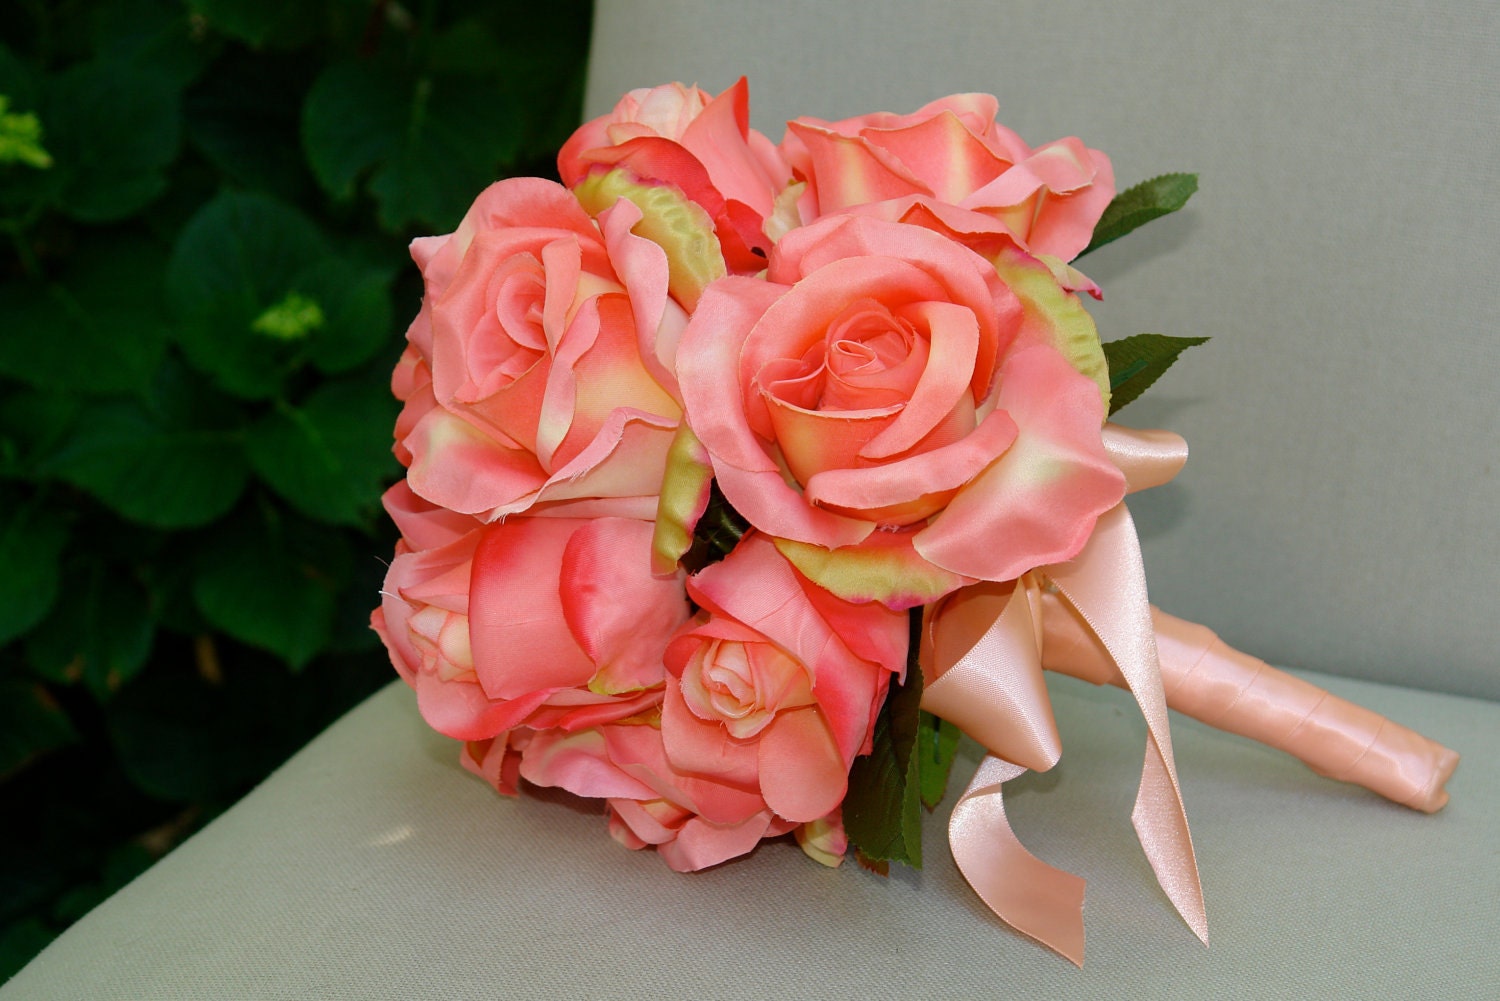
x: 620, y: 615
x: 802, y: 774
x: 946, y: 154
x: 850, y: 171
x: 517, y: 627
x: 1038, y: 503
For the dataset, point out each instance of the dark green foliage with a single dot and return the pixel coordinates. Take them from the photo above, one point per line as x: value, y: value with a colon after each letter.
x: 204, y: 281
x: 882, y: 811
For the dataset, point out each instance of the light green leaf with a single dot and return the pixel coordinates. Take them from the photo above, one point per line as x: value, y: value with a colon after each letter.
x: 331, y: 457
x: 1137, y: 206
x: 1138, y: 361
x: 937, y: 744
x: 21, y: 138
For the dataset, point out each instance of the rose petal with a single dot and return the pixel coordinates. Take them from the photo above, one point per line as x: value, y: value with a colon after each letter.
x: 802, y: 774
x: 517, y: 626
x: 1048, y: 489
x: 604, y: 561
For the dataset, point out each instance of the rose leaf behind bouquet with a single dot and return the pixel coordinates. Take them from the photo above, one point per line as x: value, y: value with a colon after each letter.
x: 743, y: 477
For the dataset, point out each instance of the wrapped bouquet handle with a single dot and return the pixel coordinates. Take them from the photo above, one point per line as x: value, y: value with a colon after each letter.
x: 1214, y: 683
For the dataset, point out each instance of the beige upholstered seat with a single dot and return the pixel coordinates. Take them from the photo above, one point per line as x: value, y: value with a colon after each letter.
x: 1339, y: 515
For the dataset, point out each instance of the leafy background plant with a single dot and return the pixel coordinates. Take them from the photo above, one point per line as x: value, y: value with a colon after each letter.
x: 205, y: 208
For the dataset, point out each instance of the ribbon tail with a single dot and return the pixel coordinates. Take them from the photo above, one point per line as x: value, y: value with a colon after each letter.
x: 1026, y: 893
x: 1106, y: 585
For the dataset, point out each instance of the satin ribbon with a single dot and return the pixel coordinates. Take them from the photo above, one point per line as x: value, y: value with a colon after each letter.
x: 1214, y: 683
x: 983, y: 652
x: 982, y: 663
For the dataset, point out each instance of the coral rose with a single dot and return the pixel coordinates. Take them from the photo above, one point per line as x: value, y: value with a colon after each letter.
x: 960, y: 169
x: 772, y: 692
x: 701, y: 145
x: 535, y: 622
x: 905, y: 416
x: 540, y: 368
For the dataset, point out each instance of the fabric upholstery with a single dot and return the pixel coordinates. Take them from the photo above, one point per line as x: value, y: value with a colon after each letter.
x: 372, y: 867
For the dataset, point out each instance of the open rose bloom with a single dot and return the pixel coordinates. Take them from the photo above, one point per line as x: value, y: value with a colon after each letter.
x: 726, y: 457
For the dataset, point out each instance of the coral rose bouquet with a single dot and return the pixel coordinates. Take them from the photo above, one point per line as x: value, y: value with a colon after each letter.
x: 743, y: 478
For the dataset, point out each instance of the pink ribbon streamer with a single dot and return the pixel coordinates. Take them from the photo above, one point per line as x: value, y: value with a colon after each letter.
x: 1025, y: 892
x: 1106, y: 587
x: 984, y: 649
x: 983, y: 671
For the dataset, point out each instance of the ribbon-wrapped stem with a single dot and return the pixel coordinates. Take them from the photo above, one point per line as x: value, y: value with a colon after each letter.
x: 1214, y: 683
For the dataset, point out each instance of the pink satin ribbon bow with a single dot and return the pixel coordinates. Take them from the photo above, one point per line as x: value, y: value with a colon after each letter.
x: 983, y: 653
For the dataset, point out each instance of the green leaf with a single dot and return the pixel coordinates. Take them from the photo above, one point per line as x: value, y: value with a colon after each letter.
x: 240, y: 255
x: 32, y: 423
x: 17, y: 81
x: 331, y: 457
x: 272, y: 584
x: 356, y: 307
x: 173, y: 460
x: 32, y: 537
x: 882, y: 810
x: 100, y: 633
x: 31, y: 723
x: 181, y: 738
x: 112, y: 129
x: 124, y: 863
x: 937, y: 743
x: 429, y: 144
x: 260, y: 22
x: 100, y: 327
x: 1137, y: 206
x: 1136, y: 362
x: 153, y: 33
x: 244, y: 118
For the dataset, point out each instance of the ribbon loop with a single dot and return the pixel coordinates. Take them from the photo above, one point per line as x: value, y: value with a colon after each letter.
x: 982, y: 671
x: 1147, y: 458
